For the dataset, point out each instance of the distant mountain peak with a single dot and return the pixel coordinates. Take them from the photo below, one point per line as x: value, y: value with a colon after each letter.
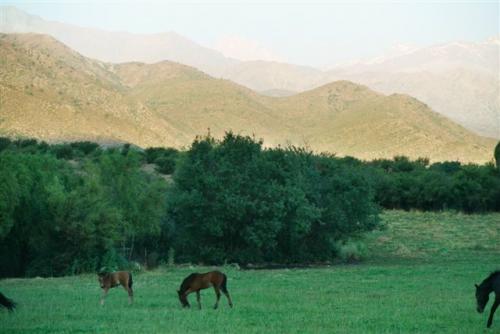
x: 393, y: 52
x: 493, y: 40
x: 245, y: 49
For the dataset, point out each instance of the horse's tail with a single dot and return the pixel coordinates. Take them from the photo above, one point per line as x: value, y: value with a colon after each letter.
x: 7, y: 303
x: 223, y: 285
x: 130, y: 280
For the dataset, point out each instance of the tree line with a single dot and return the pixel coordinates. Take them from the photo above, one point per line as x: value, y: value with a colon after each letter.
x: 78, y: 207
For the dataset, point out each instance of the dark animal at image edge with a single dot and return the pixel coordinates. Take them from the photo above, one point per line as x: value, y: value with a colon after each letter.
x: 483, y: 290
x: 196, y: 282
x: 111, y: 280
x: 7, y: 303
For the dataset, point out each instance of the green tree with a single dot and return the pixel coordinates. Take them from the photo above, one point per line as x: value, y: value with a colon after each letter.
x: 138, y: 196
x: 234, y: 201
x: 61, y: 218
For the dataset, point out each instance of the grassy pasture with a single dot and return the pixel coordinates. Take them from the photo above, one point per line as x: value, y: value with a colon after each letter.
x: 418, y: 279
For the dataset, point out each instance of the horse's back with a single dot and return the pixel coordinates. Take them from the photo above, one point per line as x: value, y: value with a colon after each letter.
x: 123, y: 277
x: 216, y: 277
x: 217, y: 273
x: 116, y: 278
x: 496, y: 282
x: 198, y: 281
x: 189, y: 281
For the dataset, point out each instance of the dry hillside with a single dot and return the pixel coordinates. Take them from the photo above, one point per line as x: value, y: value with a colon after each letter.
x: 50, y: 92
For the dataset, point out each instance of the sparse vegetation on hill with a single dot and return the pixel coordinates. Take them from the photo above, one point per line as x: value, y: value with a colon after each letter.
x: 50, y: 92
x: 458, y: 79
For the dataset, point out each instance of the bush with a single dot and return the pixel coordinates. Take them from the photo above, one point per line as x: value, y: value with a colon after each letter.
x: 86, y: 147
x: 153, y: 153
x: 233, y: 201
x: 113, y: 261
x: 63, y: 151
x: 407, y: 185
x: 351, y: 251
x: 57, y: 218
x: 4, y: 143
x: 165, y: 165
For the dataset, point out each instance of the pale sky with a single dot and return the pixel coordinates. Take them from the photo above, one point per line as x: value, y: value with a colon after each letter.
x: 312, y: 33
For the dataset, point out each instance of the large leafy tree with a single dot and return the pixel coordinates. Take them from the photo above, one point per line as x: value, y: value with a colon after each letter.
x: 60, y: 217
x: 235, y: 201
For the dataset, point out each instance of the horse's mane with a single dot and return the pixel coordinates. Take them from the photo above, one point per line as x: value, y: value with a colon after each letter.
x: 491, y: 276
x: 104, y: 274
x: 187, y: 281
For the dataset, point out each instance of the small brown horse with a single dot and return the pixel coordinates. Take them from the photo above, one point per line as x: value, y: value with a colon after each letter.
x: 196, y: 282
x: 110, y: 280
x: 483, y: 290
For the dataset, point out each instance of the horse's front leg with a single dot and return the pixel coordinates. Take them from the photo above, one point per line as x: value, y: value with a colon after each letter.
x: 185, y: 296
x: 217, y: 294
x: 230, y: 302
x: 198, y: 299
x: 104, y: 293
x: 493, y: 309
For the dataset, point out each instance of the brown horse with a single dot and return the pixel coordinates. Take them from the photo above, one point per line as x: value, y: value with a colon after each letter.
x: 196, y: 282
x: 7, y: 303
x: 110, y: 280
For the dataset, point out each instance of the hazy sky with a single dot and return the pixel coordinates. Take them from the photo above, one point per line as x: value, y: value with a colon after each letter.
x: 313, y: 33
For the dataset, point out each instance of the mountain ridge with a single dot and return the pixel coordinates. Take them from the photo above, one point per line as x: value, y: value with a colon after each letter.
x: 51, y: 92
x: 472, y: 100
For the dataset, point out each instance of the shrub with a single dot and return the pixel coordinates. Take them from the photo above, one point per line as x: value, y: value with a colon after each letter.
x: 165, y: 165
x: 63, y: 151
x: 153, y: 153
x: 4, y: 143
x: 86, y: 147
x: 351, y: 251
x: 233, y: 201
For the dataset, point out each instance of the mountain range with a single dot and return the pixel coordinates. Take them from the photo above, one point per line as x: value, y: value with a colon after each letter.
x: 460, y: 80
x: 51, y: 92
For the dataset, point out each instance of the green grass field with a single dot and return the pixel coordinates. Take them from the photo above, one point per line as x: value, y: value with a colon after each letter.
x: 418, y: 279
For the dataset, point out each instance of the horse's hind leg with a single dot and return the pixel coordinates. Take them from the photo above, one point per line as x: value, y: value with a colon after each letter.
x: 130, y: 295
x: 217, y: 294
x: 493, y: 309
x: 198, y: 299
x: 104, y: 293
x: 226, y: 293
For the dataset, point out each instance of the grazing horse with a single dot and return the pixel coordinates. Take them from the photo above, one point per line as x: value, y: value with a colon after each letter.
x: 196, y: 282
x: 110, y: 280
x: 7, y: 303
x: 483, y: 290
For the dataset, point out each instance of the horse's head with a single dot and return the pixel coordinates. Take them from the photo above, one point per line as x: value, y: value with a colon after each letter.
x: 481, y: 297
x: 183, y: 298
x: 102, y: 277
